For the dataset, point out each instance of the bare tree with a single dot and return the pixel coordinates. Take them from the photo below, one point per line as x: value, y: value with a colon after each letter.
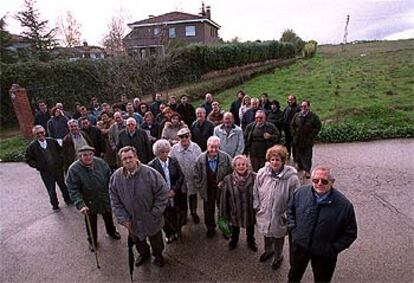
x: 69, y: 30
x: 112, y: 41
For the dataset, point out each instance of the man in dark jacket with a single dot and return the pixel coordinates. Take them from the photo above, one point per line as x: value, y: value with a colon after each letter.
x: 74, y: 140
x: 45, y: 154
x: 137, y: 138
x: 207, y: 103
x: 288, y: 114
x: 186, y: 111
x: 259, y: 136
x: 201, y: 129
x: 95, y: 136
x: 275, y: 115
x: 304, y: 128
x: 155, y: 105
x: 250, y: 114
x: 322, y: 223
x: 42, y: 116
x: 235, y: 106
x: 88, y: 183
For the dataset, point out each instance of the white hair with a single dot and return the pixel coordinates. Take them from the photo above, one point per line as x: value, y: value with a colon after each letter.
x: 213, y: 139
x: 160, y: 145
x: 73, y: 121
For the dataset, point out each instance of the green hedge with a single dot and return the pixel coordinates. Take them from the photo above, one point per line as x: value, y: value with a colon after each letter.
x: 69, y: 82
x: 347, y: 132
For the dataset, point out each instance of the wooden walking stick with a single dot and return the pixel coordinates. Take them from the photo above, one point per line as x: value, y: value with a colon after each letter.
x: 95, y: 248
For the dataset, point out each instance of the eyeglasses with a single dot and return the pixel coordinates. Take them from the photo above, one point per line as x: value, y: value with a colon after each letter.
x: 323, y: 181
x: 184, y: 137
x: 40, y: 133
x: 259, y: 117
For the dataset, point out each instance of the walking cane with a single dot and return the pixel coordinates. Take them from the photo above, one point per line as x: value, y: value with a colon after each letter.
x: 88, y: 221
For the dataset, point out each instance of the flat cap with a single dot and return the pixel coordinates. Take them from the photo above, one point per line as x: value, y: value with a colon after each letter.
x: 86, y: 148
x: 183, y: 131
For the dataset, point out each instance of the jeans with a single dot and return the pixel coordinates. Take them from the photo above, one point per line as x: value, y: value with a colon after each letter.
x: 50, y: 178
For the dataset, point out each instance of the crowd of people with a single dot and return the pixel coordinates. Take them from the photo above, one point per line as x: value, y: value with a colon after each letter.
x: 148, y: 163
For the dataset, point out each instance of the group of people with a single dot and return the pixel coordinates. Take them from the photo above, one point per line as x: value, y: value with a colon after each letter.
x: 147, y: 164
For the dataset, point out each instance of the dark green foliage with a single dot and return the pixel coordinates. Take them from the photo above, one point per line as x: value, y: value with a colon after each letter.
x: 36, y: 31
x: 69, y: 82
x: 13, y: 149
x: 290, y: 36
x: 347, y: 132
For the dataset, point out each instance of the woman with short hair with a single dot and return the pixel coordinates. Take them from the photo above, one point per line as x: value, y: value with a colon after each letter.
x: 273, y: 188
x: 236, y: 205
x: 176, y: 212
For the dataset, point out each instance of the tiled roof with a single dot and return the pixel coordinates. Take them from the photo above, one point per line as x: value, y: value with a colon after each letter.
x: 172, y: 16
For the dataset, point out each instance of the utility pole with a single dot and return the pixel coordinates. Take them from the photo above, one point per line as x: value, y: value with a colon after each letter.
x: 346, y: 30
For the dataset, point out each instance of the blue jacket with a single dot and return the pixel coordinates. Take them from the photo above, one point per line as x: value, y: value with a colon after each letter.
x: 324, y: 229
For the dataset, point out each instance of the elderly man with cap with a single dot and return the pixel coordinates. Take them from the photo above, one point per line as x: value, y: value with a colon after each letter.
x: 187, y: 152
x: 88, y: 182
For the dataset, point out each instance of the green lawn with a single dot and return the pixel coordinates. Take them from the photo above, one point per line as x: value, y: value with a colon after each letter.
x: 367, y: 85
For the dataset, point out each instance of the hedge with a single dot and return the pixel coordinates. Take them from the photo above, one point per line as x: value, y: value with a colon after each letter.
x: 69, y: 82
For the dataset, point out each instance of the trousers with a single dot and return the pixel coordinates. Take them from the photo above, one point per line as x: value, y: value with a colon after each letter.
x: 109, y: 225
x: 50, y: 179
x: 323, y: 268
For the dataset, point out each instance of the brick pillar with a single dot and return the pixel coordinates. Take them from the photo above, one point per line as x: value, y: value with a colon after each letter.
x: 22, y: 108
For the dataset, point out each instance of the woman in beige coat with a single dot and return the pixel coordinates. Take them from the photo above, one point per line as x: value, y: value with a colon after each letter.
x: 273, y: 188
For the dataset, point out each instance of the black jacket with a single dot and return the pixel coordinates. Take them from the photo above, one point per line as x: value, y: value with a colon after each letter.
x: 324, y: 229
x: 234, y: 109
x: 36, y: 158
x: 269, y: 128
x: 200, y: 133
x: 97, y: 140
x: 187, y: 113
x: 139, y: 140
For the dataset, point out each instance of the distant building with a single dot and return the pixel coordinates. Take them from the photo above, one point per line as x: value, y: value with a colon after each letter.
x: 20, y: 45
x: 151, y: 36
x: 84, y: 51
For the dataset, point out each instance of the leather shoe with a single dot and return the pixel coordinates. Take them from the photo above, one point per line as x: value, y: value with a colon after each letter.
x: 196, y: 219
x: 141, y: 260
x: 159, y: 261
x: 265, y: 256
x: 115, y: 235
x: 232, y: 245
x: 277, y: 263
x: 252, y: 245
x: 211, y: 233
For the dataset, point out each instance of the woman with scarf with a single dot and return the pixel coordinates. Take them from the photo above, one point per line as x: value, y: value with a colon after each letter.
x: 236, y: 205
x: 273, y: 188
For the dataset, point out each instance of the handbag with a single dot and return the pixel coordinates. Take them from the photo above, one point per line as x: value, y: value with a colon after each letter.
x: 224, y: 227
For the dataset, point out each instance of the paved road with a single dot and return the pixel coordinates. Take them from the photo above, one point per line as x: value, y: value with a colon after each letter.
x: 38, y: 245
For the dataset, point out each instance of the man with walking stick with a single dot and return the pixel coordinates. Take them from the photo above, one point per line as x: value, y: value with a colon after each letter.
x: 87, y: 180
x: 139, y: 198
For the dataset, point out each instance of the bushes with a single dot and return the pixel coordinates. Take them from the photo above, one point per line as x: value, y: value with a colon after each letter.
x: 13, y: 149
x: 309, y: 50
x: 347, y: 132
x: 69, y: 82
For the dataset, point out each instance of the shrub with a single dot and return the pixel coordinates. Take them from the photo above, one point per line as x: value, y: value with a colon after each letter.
x: 309, y: 50
x: 69, y: 82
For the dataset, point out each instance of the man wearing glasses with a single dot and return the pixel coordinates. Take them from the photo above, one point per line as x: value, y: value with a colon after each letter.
x: 322, y: 223
x: 45, y: 154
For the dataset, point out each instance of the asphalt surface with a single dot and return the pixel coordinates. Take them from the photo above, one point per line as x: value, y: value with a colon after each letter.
x: 38, y: 245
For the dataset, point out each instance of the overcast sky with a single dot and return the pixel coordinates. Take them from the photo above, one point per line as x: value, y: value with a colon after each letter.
x: 322, y: 20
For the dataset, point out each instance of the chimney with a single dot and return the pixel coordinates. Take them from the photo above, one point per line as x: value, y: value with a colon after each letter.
x: 208, y: 12
x: 203, y: 11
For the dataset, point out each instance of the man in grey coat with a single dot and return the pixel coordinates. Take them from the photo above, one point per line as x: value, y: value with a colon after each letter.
x: 139, y: 197
x: 231, y: 136
x: 210, y: 169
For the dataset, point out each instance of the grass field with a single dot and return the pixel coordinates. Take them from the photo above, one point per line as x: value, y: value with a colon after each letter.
x: 367, y: 84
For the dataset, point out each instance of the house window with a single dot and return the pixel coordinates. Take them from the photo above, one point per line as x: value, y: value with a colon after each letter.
x: 171, y: 33
x: 157, y: 31
x: 190, y: 31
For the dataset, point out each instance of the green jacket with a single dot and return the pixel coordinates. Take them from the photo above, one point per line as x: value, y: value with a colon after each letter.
x: 89, y: 186
x: 305, y: 129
